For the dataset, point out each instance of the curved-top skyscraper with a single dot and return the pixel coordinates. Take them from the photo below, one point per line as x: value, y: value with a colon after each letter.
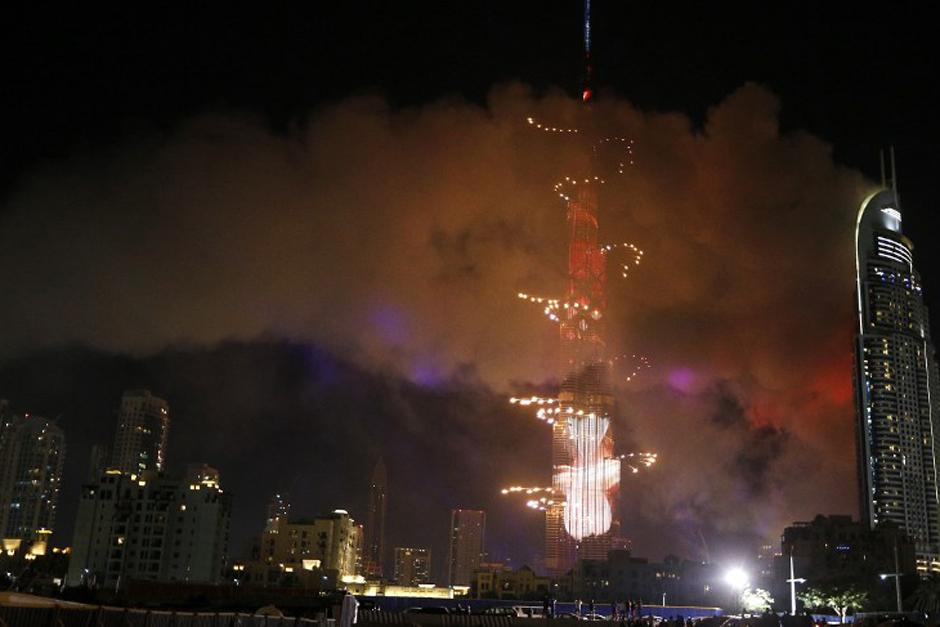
x: 896, y: 383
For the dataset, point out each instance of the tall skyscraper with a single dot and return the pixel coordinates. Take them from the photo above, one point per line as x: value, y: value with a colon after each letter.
x: 582, y: 503
x: 140, y: 441
x: 467, y: 530
x: 412, y: 566
x: 896, y: 383
x: 375, y: 521
x: 31, y: 461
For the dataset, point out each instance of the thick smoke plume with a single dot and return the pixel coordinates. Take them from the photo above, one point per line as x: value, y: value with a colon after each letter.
x: 399, y: 239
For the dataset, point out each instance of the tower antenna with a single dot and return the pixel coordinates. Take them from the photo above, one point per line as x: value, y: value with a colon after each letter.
x: 587, y: 92
x: 894, y: 179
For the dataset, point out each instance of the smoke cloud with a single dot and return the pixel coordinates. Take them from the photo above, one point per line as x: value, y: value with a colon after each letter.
x: 398, y: 239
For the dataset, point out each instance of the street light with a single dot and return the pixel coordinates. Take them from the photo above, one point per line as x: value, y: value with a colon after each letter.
x: 897, y: 576
x: 793, y: 580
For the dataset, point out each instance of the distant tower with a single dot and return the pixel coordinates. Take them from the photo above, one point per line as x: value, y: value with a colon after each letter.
x: 278, y: 510
x: 467, y: 535
x: 140, y: 442
x: 896, y: 383
x: 31, y: 462
x: 375, y: 521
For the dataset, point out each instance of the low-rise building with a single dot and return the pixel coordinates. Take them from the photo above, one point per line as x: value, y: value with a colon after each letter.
x: 333, y: 542
x: 837, y: 549
x: 495, y: 581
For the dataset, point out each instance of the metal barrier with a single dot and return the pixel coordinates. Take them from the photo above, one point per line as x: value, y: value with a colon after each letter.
x: 125, y: 617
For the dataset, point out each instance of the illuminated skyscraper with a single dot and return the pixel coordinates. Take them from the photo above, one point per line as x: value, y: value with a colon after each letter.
x: 140, y: 442
x: 412, y: 566
x: 581, y: 505
x: 896, y: 383
x: 31, y: 461
x: 467, y: 531
x: 375, y: 521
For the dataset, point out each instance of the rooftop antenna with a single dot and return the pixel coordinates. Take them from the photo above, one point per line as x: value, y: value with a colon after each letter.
x: 587, y: 92
x: 894, y: 179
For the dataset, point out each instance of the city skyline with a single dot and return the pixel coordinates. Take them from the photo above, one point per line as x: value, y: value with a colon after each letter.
x: 321, y: 262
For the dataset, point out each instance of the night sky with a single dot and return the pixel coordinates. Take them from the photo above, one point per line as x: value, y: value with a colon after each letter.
x: 306, y: 228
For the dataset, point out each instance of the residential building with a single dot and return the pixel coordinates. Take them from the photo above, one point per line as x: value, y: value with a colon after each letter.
x: 31, y: 461
x: 132, y: 527
x: 141, y: 438
x: 329, y: 542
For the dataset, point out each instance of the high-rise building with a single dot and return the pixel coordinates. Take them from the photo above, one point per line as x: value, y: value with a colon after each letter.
x: 467, y: 531
x: 412, y: 566
x: 97, y: 462
x: 160, y: 529
x: 140, y: 441
x: 375, y: 521
x: 582, y: 504
x: 278, y: 509
x: 31, y: 461
x: 896, y: 383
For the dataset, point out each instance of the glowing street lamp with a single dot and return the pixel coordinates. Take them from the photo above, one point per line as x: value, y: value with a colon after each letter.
x: 793, y: 580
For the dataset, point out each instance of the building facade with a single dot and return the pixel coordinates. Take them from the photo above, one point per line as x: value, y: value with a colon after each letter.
x: 132, y: 527
x: 31, y: 461
x: 412, y: 566
x: 621, y: 577
x: 837, y: 548
x: 330, y: 542
x: 895, y: 384
x: 375, y: 521
x: 496, y: 581
x: 467, y: 531
x: 141, y: 438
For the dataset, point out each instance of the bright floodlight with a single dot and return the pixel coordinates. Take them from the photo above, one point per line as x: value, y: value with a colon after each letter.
x: 736, y: 578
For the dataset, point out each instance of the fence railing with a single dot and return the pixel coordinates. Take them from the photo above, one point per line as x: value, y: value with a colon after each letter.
x: 378, y: 617
x: 120, y: 617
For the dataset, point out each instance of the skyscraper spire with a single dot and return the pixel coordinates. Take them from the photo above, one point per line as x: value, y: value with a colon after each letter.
x: 587, y: 91
x: 375, y: 520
